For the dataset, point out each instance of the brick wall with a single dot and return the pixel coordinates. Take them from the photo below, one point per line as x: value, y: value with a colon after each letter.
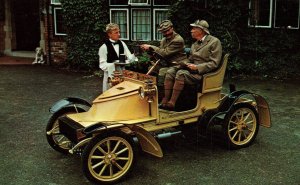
x: 2, y: 33
x: 55, y: 43
x: 2, y: 38
x: 58, y: 51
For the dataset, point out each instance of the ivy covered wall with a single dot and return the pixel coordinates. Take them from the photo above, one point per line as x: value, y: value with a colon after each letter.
x: 255, y: 51
x: 272, y: 52
x: 85, y: 21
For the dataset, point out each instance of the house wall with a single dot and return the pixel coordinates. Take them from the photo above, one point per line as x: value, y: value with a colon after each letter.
x: 2, y: 33
x: 2, y: 37
x: 8, y: 31
x: 55, y: 46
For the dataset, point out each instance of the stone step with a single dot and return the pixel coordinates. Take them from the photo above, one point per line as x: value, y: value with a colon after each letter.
x: 25, y: 54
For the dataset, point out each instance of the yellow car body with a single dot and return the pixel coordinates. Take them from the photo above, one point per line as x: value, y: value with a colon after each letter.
x: 131, y: 107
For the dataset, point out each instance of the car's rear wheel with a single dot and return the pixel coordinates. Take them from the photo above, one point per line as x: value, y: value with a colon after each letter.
x: 54, y: 137
x: 108, y: 158
x: 241, y: 126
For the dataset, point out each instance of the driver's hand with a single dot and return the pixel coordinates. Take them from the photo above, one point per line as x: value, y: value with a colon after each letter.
x: 145, y: 46
x: 192, y: 67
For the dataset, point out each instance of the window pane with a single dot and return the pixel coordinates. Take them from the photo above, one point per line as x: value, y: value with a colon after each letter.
x: 287, y: 13
x: 141, y: 24
x: 139, y: 2
x: 60, y: 28
x: 55, y: 1
x: 118, y: 2
x: 162, y: 2
x: 120, y: 17
x: 160, y: 15
x: 260, y: 12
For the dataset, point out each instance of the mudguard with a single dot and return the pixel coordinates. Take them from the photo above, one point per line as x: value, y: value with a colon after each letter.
x: 262, y: 106
x: 68, y: 102
x: 147, y: 141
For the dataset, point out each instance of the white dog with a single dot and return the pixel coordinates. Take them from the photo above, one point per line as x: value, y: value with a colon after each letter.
x: 39, y: 56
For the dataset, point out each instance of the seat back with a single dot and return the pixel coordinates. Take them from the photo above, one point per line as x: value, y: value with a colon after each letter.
x: 213, y: 81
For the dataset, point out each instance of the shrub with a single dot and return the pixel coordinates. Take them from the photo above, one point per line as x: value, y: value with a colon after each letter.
x: 85, y: 33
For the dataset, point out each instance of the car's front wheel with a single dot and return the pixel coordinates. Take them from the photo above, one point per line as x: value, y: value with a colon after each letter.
x: 240, y: 126
x: 54, y: 137
x: 108, y: 158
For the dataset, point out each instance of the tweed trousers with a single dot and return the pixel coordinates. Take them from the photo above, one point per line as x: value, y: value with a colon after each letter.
x: 177, y: 73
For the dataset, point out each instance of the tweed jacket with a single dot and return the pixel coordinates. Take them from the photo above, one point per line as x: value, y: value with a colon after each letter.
x: 171, y: 49
x: 207, y: 54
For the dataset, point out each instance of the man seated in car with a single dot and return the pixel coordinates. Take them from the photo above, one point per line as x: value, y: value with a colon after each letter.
x: 171, y: 49
x: 205, y: 56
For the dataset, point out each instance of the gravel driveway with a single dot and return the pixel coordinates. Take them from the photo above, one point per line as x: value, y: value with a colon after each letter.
x: 27, y: 92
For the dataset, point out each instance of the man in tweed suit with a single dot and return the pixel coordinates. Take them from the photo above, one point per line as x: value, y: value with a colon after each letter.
x: 205, y: 56
x: 171, y: 49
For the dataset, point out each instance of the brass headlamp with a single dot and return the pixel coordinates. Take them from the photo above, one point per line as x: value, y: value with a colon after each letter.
x: 148, y: 90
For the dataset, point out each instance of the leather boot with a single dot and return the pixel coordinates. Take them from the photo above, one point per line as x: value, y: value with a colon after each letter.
x: 168, y: 85
x: 177, y: 88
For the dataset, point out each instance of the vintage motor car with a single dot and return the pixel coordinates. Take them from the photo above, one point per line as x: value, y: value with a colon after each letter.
x: 107, y: 131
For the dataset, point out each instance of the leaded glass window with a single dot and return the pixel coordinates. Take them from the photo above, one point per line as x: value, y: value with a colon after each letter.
x: 287, y: 13
x: 59, y: 26
x: 141, y: 24
x: 120, y: 17
x: 159, y: 16
x: 261, y: 13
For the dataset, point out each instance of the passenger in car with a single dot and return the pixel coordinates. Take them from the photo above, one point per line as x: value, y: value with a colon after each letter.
x: 171, y: 49
x: 205, y: 56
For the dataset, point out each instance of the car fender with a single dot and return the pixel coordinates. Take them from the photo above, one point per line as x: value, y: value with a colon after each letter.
x: 262, y: 106
x: 147, y: 141
x: 70, y: 102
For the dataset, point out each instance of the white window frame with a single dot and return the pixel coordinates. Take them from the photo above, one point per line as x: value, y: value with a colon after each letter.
x: 154, y: 23
x: 270, y: 17
x: 127, y: 19
x: 55, y: 24
x: 275, y: 7
x: 55, y: 3
x: 132, y: 22
x: 139, y: 4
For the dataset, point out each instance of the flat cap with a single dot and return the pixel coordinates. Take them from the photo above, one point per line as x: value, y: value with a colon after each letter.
x: 165, y: 25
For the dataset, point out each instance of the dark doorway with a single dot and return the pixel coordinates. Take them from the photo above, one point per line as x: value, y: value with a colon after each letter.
x: 27, y: 24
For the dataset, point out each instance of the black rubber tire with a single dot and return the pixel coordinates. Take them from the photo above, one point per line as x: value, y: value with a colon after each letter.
x: 246, y: 135
x: 53, y: 122
x: 91, y: 149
